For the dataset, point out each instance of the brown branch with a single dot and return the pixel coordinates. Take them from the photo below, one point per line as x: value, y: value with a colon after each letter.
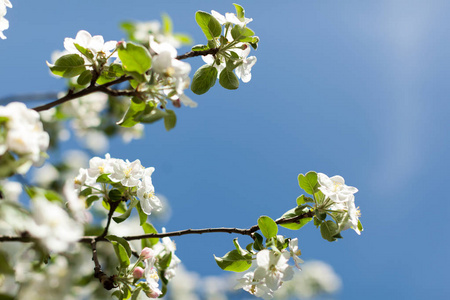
x: 89, y: 90
x: 107, y: 281
x: 112, y: 207
x: 105, y: 87
x: 101, y: 238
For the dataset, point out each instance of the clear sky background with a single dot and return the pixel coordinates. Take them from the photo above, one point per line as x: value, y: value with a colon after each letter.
x: 355, y: 88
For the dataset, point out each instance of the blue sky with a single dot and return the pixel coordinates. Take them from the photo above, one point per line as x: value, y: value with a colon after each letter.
x: 355, y: 88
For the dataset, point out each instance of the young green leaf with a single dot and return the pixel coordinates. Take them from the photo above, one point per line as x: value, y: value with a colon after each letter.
x: 149, y: 228
x: 267, y: 226
x: 84, y: 77
x: 129, y: 118
x: 204, y: 79
x: 68, y: 66
x: 328, y: 230
x: 86, y: 52
x: 228, y: 79
x: 125, y: 215
x: 258, y: 245
x: 170, y: 119
x: 308, y: 182
x: 210, y: 26
x: 200, y: 47
x: 124, y: 243
x: 240, y: 12
x: 234, y: 261
x: 135, y: 58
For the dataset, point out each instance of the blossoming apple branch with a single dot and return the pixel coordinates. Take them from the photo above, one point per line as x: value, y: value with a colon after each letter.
x: 156, y: 77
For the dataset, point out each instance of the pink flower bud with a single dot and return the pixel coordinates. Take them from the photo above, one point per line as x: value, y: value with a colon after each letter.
x: 147, y: 253
x: 138, y: 272
x: 152, y: 294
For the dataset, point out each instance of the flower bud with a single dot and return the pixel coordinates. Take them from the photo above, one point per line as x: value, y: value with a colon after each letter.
x: 152, y: 294
x: 138, y: 272
x: 147, y: 253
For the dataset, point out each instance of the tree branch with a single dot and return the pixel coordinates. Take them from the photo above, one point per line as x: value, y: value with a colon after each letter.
x: 104, y: 87
x: 101, y: 238
x: 107, y: 281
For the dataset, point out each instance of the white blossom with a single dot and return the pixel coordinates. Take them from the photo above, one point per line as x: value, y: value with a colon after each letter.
x: 230, y: 18
x: 273, y: 268
x: 128, y: 174
x: 24, y: 134
x: 256, y: 287
x: 94, y: 43
x: 146, y: 195
x: 4, y: 24
x: 295, y: 252
x: 151, y: 277
x: 11, y: 190
x: 167, y: 246
x: 53, y: 226
x: 335, y: 188
x: 244, y: 69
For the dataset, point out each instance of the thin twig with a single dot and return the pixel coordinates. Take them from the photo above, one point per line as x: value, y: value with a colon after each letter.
x: 107, y: 281
x: 112, y: 207
x: 249, y: 231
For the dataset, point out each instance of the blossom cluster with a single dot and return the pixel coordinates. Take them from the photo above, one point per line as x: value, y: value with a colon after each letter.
x: 341, y: 198
x: 129, y: 178
x: 242, y: 49
x: 22, y: 135
x: 172, y: 74
x: 4, y: 24
x: 100, y: 51
x: 272, y: 269
x: 153, y: 258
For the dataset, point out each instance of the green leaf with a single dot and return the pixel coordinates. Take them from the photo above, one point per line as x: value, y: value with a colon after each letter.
x: 125, y: 215
x: 5, y: 268
x: 68, y: 66
x: 121, y: 254
x: 329, y: 229
x: 142, y: 215
x: 228, y: 79
x: 319, y: 196
x: 118, y: 294
x: 242, y: 34
x: 104, y: 179
x: 258, y: 245
x: 240, y: 12
x: 308, y: 182
x: 84, y: 77
x: 239, y: 248
x: 200, y: 48
x: 184, y: 39
x: 149, y: 228
x: 204, y: 79
x: 210, y: 26
x: 360, y: 227
x: 267, y: 226
x: 135, y: 58
x: 129, y: 118
x: 233, y: 261
x: 164, y: 262
x: 91, y: 200
x: 136, y: 293
x: 115, y: 195
x: 302, y: 199
x: 167, y: 26
x: 86, y: 52
x: 122, y: 249
x: 297, y: 211
x: 170, y: 119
